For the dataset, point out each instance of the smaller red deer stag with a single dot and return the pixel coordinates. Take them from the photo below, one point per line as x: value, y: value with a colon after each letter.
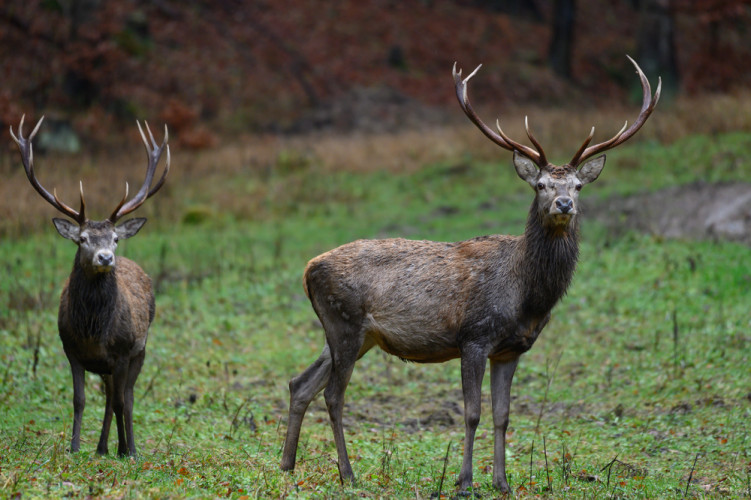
x: 429, y: 302
x: 107, y: 303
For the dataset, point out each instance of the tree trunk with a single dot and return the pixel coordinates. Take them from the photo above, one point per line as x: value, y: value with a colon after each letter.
x: 562, y: 42
x: 655, y: 44
x: 517, y: 8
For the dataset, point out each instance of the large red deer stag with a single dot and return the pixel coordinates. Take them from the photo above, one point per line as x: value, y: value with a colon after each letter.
x: 107, y: 303
x: 429, y: 302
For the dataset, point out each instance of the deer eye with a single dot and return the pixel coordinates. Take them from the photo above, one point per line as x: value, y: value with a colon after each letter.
x: 540, y: 186
x: 578, y: 187
x: 83, y: 239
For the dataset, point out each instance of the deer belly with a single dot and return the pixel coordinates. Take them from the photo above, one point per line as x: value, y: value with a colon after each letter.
x: 95, y: 354
x: 422, y: 343
x: 93, y: 357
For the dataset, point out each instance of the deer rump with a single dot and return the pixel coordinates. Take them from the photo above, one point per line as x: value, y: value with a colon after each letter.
x: 422, y: 300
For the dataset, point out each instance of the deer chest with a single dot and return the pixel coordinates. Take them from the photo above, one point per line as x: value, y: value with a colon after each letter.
x: 520, y: 340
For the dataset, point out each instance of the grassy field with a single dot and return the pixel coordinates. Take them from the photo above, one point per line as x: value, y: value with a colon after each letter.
x: 638, y: 387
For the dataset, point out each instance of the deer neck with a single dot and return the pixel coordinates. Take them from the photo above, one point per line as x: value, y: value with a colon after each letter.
x: 548, y: 261
x: 92, y: 299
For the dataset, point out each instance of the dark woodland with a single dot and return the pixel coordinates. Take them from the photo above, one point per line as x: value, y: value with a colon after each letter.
x: 253, y: 66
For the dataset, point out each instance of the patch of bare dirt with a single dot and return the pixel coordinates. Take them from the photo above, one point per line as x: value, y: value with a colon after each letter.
x: 696, y: 211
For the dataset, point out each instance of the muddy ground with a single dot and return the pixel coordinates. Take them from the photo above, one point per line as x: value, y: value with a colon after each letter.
x: 695, y: 211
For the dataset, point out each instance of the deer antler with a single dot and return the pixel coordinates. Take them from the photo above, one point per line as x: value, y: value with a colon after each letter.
x: 501, y: 138
x: 27, y: 158
x: 154, y: 153
x: 648, y: 105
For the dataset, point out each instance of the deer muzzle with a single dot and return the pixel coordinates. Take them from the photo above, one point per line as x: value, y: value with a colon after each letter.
x: 564, y: 205
x: 104, y: 260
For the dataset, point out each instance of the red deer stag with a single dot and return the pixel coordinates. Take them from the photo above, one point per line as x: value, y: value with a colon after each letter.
x: 429, y: 302
x: 107, y: 304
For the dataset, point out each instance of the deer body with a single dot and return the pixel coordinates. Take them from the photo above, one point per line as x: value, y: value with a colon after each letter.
x: 483, y: 299
x: 103, y: 323
x: 107, y: 303
x: 424, y: 301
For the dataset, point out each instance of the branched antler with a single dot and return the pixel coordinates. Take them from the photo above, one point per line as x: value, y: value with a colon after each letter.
x: 648, y: 105
x: 584, y: 152
x: 499, y: 138
x: 154, y: 153
x: 27, y: 158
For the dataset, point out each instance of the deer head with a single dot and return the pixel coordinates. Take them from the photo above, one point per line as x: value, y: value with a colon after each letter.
x: 557, y: 187
x: 97, y: 240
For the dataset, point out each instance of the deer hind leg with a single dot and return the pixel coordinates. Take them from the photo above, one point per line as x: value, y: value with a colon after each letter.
x: 119, y: 379
x: 134, y: 369
x: 473, y: 368
x: 302, y: 390
x: 348, y: 343
x: 501, y: 375
x: 102, y: 448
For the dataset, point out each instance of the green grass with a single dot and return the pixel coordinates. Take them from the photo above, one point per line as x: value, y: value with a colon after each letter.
x: 643, y: 370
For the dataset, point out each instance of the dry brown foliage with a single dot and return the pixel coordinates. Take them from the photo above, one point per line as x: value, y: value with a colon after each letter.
x: 213, y: 177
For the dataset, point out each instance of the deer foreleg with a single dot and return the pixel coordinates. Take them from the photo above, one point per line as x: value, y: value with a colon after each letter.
x: 473, y: 369
x: 501, y: 375
x: 102, y: 448
x: 79, y: 401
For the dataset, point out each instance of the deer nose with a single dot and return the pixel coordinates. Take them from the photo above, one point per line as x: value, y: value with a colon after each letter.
x: 564, y: 204
x: 105, y: 258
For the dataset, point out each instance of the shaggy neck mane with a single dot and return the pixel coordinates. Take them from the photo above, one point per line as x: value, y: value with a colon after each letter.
x: 92, y: 299
x: 548, y: 262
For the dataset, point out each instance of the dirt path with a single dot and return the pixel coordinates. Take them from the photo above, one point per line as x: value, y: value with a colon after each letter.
x: 695, y: 211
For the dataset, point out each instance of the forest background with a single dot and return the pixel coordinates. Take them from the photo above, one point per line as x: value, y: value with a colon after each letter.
x: 296, y: 126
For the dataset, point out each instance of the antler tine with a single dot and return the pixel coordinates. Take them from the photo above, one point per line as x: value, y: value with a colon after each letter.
x: 164, y: 174
x: 113, y: 216
x: 577, y: 155
x: 154, y: 153
x: 538, y: 147
x: 26, y: 149
x: 502, y: 140
x: 578, y: 158
x: 81, y: 213
x: 648, y: 104
x: 527, y: 151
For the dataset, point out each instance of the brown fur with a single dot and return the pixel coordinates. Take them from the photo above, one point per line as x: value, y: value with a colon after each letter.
x: 100, y: 322
x: 429, y: 302
x: 103, y: 321
x: 107, y: 304
x: 375, y: 280
x: 486, y: 298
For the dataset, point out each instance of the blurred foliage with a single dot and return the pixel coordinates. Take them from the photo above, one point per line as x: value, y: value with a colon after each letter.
x: 244, y: 65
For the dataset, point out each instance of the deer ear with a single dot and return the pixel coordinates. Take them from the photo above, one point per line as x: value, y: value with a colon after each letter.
x: 130, y: 227
x: 66, y: 228
x: 591, y: 169
x: 526, y: 168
